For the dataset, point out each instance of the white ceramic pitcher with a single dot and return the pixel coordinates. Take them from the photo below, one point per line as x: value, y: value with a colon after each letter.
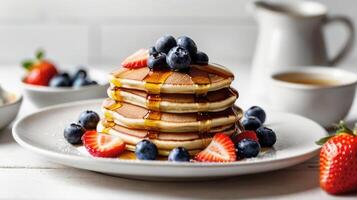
x: 291, y: 34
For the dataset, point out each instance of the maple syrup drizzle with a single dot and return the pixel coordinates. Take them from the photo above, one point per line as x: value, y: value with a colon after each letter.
x: 116, y: 82
x: 151, y: 120
x: 107, y: 125
x: 202, y: 84
x: 115, y: 94
x: 111, y: 104
x: 153, y: 83
x: 155, y: 79
x: 153, y: 101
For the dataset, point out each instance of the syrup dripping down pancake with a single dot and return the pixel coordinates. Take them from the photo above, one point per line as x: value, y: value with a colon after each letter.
x: 136, y: 117
x: 199, y: 80
x: 177, y: 103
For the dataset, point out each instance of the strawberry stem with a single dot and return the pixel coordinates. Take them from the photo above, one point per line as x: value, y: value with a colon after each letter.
x: 27, y: 64
x: 40, y: 54
x: 323, y: 140
x: 341, y: 128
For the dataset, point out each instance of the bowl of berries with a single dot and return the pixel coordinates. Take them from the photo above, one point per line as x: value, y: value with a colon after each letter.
x: 44, y: 84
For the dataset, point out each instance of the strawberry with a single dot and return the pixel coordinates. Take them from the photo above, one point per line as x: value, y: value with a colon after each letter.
x: 338, y: 161
x: 245, y: 135
x: 41, y: 71
x: 136, y: 60
x: 102, y: 145
x: 221, y: 149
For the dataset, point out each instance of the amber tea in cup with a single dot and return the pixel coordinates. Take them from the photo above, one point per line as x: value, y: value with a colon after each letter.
x: 308, y: 79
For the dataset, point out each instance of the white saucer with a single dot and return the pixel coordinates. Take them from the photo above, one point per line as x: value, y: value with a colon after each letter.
x: 42, y: 133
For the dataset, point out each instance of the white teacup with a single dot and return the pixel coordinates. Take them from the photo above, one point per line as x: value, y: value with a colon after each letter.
x: 323, y: 94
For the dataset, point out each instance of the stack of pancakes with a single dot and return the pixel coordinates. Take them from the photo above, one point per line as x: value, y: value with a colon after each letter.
x: 171, y: 109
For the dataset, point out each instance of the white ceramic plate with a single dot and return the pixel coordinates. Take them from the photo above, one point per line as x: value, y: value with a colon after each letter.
x: 42, y: 133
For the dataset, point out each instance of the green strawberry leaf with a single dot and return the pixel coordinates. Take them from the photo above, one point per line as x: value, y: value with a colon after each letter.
x: 40, y: 54
x: 323, y: 140
x: 343, y: 128
x: 27, y: 64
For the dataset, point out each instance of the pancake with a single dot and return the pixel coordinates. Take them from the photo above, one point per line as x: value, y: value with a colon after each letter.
x: 163, y: 141
x: 198, y: 80
x: 133, y: 116
x: 177, y: 103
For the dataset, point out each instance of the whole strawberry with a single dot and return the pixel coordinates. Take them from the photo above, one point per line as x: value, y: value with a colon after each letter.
x: 40, y: 70
x: 338, y: 161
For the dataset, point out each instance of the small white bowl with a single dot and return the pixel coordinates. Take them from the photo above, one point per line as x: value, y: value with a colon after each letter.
x: 42, y: 96
x: 8, y: 111
x: 325, y: 104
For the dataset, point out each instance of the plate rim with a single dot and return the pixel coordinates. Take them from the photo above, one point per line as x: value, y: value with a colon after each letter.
x: 55, y: 154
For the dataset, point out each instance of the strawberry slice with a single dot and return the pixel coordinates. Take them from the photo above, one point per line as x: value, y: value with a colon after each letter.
x: 136, y: 60
x: 221, y: 149
x: 102, y: 145
x: 245, y: 135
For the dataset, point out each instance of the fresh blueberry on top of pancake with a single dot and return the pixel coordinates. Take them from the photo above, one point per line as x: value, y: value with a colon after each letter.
x: 146, y: 150
x: 179, y: 154
x: 257, y: 112
x: 266, y: 137
x: 157, y: 61
x: 251, y: 123
x: 73, y: 133
x: 248, y: 148
x: 165, y: 43
x: 178, y: 59
x: 152, y: 50
x: 89, y: 120
x: 188, y: 44
x: 200, y: 58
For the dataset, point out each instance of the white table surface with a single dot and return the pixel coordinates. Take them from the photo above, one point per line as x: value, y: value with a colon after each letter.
x: 24, y: 175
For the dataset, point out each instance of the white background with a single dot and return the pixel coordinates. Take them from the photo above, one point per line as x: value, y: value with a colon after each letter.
x: 97, y: 32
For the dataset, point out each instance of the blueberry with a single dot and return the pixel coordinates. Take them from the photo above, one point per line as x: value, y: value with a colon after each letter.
x: 146, y: 150
x: 179, y: 154
x: 248, y: 148
x: 89, y: 119
x: 93, y: 83
x: 73, y: 133
x: 251, y: 123
x: 157, y: 61
x: 65, y: 74
x: 257, y: 112
x: 165, y: 43
x: 80, y: 73
x: 188, y: 44
x: 178, y: 59
x: 60, y: 80
x: 201, y: 58
x: 79, y: 82
x: 266, y: 136
x: 152, y: 51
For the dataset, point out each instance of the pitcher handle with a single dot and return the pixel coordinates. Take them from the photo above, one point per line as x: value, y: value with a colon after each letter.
x: 349, y: 42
